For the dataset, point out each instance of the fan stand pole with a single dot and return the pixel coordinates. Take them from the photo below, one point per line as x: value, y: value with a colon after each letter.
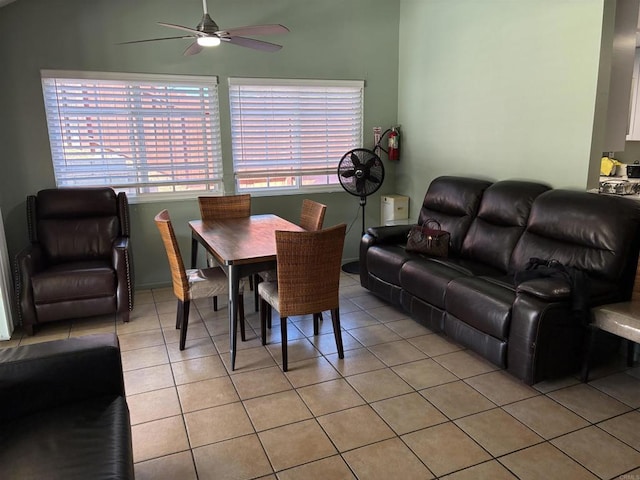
x: 354, y: 267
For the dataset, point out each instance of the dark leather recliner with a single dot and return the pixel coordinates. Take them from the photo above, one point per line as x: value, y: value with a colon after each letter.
x: 79, y: 262
x: 63, y: 412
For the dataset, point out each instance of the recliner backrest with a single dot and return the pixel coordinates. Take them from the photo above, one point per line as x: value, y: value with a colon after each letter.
x: 502, y: 217
x: 75, y: 224
x: 453, y: 202
x: 592, y: 232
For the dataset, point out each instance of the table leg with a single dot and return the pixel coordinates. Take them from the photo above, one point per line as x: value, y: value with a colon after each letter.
x: 194, y: 251
x: 234, y: 286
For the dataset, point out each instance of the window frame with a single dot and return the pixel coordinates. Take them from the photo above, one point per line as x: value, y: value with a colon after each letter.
x: 329, y: 170
x: 202, y: 114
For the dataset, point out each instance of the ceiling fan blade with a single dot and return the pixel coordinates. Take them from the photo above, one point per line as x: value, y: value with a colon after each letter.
x: 251, y: 43
x: 180, y: 27
x: 348, y: 173
x: 193, y: 49
x: 255, y: 30
x: 153, y: 40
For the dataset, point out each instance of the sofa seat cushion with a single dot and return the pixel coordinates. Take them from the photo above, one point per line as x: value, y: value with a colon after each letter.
x: 74, y: 281
x: 89, y: 439
x: 468, y: 266
x: 385, y: 262
x: 484, y: 305
x: 428, y: 280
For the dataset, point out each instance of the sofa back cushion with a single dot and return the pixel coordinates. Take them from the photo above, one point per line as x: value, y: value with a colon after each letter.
x: 501, y: 219
x: 74, y: 224
x: 453, y: 202
x: 592, y: 232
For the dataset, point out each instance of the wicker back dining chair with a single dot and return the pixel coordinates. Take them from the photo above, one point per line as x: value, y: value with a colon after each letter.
x: 224, y: 206
x: 312, y: 215
x: 194, y: 283
x: 311, y: 219
x: 308, y: 281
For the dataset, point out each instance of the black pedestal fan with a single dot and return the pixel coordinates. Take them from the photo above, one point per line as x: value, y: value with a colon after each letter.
x: 360, y: 172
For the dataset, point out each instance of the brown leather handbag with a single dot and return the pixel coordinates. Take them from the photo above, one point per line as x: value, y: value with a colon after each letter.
x: 427, y: 240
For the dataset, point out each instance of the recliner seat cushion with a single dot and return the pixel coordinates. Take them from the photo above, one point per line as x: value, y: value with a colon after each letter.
x: 427, y: 280
x: 385, y: 262
x: 89, y: 439
x: 484, y: 305
x: 74, y: 281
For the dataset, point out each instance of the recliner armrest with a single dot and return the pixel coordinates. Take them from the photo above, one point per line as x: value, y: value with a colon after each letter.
x: 45, y: 375
x: 29, y: 261
x: 123, y: 265
x: 549, y: 289
x: 389, y: 234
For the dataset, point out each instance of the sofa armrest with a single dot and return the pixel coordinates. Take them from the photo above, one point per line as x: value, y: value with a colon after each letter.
x: 548, y: 289
x: 123, y: 265
x: 50, y: 374
x: 391, y: 234
x: 29, y: 261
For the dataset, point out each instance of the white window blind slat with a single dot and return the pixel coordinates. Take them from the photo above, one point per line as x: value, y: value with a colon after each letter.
x: 289, y: 134
x: 143, y: 134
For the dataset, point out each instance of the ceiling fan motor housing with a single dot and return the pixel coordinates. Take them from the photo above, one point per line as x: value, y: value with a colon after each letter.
x: 207, y: 25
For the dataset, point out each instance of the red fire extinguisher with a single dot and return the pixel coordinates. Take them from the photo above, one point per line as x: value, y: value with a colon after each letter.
x: 394, y: 145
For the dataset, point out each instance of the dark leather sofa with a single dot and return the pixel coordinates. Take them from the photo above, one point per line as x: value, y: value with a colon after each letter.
x: 63, y: 413
x: 530, y: 329
x: 79, y: 259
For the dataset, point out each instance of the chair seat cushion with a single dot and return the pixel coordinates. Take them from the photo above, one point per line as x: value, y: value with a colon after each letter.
x: 74, y: 281
x: 621, y: 319
x: 269, y: 293
x: 90, y: 439
x: 209, y: 282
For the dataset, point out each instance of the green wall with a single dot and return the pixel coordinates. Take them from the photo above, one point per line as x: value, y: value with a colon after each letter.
x: 329, y: 39
x: 498, y: 89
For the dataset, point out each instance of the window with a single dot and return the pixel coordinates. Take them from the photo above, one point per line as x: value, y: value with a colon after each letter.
x: 147, y: 135
x: 289, y: 135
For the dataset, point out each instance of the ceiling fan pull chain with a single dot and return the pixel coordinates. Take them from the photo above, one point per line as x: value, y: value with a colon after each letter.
x: 204, y: 6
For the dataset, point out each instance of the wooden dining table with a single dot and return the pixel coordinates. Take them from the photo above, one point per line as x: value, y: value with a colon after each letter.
x: 242, y: 247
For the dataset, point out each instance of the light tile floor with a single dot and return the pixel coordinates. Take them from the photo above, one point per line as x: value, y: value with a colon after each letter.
x: 404, y: 403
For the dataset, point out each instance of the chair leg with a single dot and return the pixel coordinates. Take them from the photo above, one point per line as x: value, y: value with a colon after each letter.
x: 184, y: 306
x: 215, y: 304
x: 256, y: 296
x: 243, y: 337
x: 335, y: 318
x: 283, y: 332
x: 124, y: 316
x: 263, y: 321
x: 316, y: 318
x: 590, y: 342
x: 631, y: 350
x: 28, y: 329
x: 178, y: 316
x: 269, y: 312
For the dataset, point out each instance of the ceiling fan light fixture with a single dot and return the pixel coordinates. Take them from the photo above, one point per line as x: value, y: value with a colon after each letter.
x: 210, y: 41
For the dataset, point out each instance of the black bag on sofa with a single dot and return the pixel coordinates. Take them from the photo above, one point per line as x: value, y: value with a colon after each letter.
x: 430, y: 241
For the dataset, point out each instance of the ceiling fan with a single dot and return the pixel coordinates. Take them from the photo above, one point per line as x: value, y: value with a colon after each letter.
x: 208, y: 34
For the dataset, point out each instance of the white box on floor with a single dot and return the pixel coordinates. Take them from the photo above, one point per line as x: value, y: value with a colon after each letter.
x: 393, y: 207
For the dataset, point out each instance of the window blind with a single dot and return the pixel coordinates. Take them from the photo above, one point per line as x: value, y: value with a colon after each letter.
x: 142, y: 134
x: 292, y: 133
